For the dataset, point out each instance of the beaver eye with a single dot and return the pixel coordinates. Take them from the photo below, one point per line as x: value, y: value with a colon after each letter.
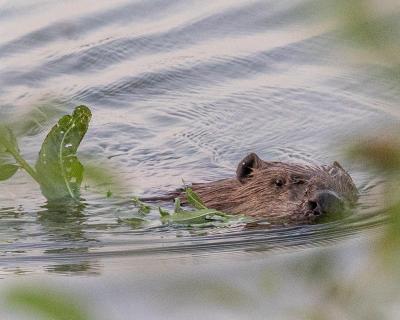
x: 279, y: 182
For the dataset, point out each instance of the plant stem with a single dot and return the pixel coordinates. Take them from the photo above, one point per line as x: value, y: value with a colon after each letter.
x: 25, y: 165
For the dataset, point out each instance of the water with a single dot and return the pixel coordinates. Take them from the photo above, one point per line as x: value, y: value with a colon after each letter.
x: 178, y: 90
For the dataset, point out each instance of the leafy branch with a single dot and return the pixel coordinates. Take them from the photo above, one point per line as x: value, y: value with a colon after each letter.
x: 58, y: 170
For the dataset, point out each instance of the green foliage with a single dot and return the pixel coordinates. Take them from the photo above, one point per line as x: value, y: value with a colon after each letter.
x: 382, y: 154
x: 200, y: 217
x: 370, y: 30
x: 196, y: 217
x: 7, y: 171
x: 361, y: 26
x: 58, y: 167
x: 194, y: 199
x: 177, y: 205
x: 9, y: 154
x: 163, y: 212
x: 8, y: 146
x: 379, y: 153
x: 143, y: 208
x: 58, y: 170
x: 36, y: 119
x: 7, y: 163
x: 60, y: 173
x: 45, y: 303
x: 8, y: 142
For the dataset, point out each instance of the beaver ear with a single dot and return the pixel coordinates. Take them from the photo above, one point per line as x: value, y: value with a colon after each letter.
x: 337, y: 165
x: 247, y: 165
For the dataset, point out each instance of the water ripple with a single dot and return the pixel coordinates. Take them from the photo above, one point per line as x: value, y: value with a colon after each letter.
x: 180, y: 90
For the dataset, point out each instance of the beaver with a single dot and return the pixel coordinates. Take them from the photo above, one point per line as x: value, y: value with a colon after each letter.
x: 278, y: 191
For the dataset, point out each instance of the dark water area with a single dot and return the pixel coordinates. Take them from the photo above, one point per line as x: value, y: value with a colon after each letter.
x: 179, y: 90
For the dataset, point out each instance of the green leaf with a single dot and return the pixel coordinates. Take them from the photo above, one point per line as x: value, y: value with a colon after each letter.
x: 194, y: 217
x: 163, y: 212
x: 202, y: 217
x: 46, y: 303
x: 177, y: 205
x: 8, y: 142
x: 7, y: 162
x: 7, y: 171
x: 58, y: 168
x: 194, y: 199
x: 9, y: 152
x: 6, y: 158
x: 199, y: 218
x: 144, y: 209
x: 37, y: 118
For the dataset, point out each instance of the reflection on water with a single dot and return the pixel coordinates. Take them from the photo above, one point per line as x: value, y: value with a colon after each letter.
x: 178, y: 90
x: 63, y: 222
x: 87, y: 268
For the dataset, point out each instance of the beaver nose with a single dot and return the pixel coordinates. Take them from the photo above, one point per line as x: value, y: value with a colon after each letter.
x: 325, y: 202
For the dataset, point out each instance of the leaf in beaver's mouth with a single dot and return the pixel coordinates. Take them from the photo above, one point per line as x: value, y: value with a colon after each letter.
x: 195, y: 217
x: 194, y: 199
x: 58, y: 166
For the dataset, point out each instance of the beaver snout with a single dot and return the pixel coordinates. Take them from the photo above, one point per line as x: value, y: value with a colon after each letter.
x: 325, y: 202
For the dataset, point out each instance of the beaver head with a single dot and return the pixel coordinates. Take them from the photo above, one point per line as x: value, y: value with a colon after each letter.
x: 281, y: 191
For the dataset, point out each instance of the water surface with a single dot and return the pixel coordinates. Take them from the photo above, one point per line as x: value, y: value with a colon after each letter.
x: 178, y: 90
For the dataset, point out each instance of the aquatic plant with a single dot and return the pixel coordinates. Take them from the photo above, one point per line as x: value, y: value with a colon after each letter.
x: 58, y: 170
x: 59, y: 174
x: 199, y: 217
x: 201, y: 214
x: 369, y: 291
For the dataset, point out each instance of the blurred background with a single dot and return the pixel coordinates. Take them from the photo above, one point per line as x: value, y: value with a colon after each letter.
x: 183, y: 90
